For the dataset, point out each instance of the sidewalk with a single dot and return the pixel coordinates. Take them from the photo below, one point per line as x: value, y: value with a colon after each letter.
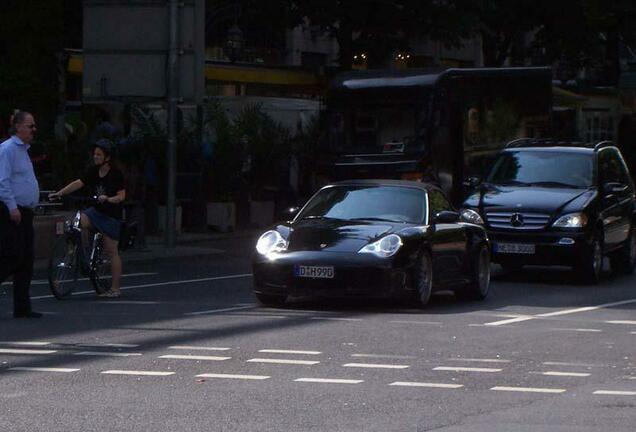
x: 187, y: 245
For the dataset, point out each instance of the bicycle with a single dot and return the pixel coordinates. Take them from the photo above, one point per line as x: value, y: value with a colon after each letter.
x: 69, y: 258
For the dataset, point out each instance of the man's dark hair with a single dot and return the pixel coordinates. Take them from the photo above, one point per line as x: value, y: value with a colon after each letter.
x: 18, y: 118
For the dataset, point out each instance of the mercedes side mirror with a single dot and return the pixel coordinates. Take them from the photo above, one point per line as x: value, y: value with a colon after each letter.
x: 611, y: 188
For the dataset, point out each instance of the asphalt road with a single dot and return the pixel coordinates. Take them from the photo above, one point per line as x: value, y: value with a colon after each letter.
x: 188, y: 348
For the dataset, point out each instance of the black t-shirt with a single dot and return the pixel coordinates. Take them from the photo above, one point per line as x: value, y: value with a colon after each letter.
x: 108, y: 185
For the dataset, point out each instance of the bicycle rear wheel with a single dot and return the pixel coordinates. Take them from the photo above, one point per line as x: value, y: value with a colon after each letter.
x: 99, y: 272
x: 62, y: 271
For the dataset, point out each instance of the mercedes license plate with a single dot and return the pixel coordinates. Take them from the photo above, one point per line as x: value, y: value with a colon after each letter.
x: 317, y: 272
x: 514, y: 248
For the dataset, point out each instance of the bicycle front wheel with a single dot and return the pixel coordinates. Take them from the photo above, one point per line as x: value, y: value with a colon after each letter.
x: 100, y: 275
x: 62, y: 269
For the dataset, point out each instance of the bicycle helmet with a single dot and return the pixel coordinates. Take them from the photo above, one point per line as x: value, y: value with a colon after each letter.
x: 106, y: 145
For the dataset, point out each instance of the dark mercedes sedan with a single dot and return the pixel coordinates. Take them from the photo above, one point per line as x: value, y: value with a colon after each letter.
x: 547, y: 203
x: 376, y: 239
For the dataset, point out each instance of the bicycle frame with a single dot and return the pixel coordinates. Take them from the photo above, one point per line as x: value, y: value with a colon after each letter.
x: 73, y: 231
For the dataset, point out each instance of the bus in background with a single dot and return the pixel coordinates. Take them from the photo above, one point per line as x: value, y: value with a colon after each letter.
x: 442, y: 126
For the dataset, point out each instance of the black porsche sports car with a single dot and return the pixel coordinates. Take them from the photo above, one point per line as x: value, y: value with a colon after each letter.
x: 373, y: 238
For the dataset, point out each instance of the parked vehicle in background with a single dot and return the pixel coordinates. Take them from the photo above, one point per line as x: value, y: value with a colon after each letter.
x: 437, y: 125
x: 372, y: 238
x: 558, y: 203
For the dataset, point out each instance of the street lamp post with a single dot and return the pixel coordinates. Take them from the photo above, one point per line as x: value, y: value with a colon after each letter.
x: 173, y: 94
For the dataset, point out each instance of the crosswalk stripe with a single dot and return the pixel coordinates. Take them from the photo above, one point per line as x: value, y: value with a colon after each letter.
x: 198, y: 348
x: 193, y: 357
x: 375, y: 366
x: 565, y: 374
x: 132, y: 372
x: 43, y: 369
x: 466, y: 369
x: 25, y: 351
x: 329, y: 380
x: 425, y: 384
x: 106, y: 354
x: 281, y: 351
x: 283, y: 361
x: 234, y: 376
x: 528, y: 389
x: 615, y: 393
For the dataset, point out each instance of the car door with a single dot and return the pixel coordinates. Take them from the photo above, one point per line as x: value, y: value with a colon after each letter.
x: 448, y: 241
x: 617, y: 204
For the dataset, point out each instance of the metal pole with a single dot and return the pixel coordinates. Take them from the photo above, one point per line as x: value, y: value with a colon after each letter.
x: 173, y: 95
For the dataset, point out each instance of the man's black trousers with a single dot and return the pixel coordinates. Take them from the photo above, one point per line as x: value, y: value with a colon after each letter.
x: 16, y: 256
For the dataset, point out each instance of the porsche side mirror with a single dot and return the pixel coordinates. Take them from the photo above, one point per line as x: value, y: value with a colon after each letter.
x: 446, y: 216
x: 290, y: 213
x: 472, y: 182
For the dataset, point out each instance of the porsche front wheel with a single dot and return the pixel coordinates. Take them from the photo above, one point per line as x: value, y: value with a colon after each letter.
x: 423, y: 278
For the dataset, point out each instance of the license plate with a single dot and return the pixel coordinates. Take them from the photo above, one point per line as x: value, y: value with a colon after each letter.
x: 316, y: 272
x: 514, y: 248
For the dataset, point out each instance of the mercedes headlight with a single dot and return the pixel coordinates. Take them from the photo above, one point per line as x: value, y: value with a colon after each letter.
x: 385, y: 247
x: 572, y: 220
x: 271, y: 241
x: 471, y: 216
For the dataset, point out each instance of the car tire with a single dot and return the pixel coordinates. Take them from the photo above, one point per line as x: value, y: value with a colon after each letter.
x: 270, y: 299
x: 423, y: 278
x: 624, y: 260
x: 589, y: 270
x: 479, y: 285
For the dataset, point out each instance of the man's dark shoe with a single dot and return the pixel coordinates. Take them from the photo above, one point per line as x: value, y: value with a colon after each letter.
x: 27, y: 315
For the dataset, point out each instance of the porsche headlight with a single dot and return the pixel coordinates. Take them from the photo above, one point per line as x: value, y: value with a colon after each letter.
x: 271, y: 241
x: 385, y: 247
x: 471, y: 216
x: 572, y: 220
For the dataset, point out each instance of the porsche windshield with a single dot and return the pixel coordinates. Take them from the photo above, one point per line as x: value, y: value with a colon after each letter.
x: 543, y: 168
x: 370, y: 203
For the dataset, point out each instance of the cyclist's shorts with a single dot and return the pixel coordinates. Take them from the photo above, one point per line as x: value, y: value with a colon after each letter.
x: 107, y: 225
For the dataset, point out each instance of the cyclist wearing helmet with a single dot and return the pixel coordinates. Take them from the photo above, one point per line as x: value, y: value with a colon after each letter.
x: 106, y: 182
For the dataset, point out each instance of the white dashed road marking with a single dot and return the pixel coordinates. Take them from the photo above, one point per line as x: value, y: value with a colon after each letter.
x: 197, y: 348
x: 109, y: 345
x: 615, y: 393
x: 622, y: 322
x: 425, y: 384
x: 509, y: 321
x: 193, y: 357
x: 107, y: 354
x: 25, y: 351
x: 480, y: 360
x: 565, y: 374
x: 283, y: 361
x: 43, y: 369
x: 233, y: 376
x: 27, y: 343
x: 329, y: 380
x: 136, y: 373
x: 386, y: 356
x: 528, y: 389
x: 375, y: 366
x: 335, y: 319
x: 465, y: 369
x: 281, y: 351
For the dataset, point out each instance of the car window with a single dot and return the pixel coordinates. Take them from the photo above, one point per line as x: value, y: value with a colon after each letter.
x: 612, y: 167
x: 391, y: 203
x: 540, y: 167
x: 437, y: 202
